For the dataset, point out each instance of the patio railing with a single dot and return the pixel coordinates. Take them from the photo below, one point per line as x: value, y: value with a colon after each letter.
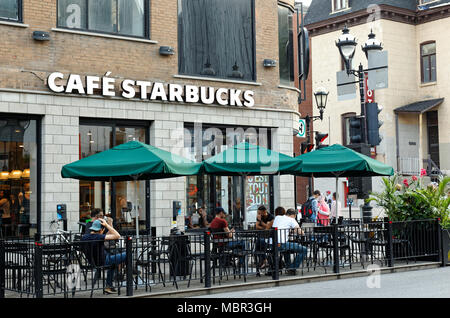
x: 66, y: 266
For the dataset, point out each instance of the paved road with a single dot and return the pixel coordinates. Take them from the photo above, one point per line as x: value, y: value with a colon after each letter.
x: 431, y: 283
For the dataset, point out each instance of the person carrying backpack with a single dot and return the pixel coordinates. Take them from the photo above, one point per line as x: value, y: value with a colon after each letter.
x: 311, y: 207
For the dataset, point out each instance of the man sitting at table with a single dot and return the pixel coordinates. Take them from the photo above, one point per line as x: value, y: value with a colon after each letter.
x: 220, y: 225
x: 284, y: 224
x: 95, y: 250
x: 264, y: 221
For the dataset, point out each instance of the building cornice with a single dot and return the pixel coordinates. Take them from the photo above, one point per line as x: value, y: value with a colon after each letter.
x: 386, y: 12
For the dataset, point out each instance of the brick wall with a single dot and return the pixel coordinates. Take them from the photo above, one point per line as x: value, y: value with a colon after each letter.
x: 25, y: 63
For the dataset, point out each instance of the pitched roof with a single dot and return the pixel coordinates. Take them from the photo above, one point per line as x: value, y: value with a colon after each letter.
x: 320, y: 10
x: 419, y: 107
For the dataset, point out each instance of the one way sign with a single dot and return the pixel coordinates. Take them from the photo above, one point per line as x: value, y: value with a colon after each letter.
x: 301, y: 128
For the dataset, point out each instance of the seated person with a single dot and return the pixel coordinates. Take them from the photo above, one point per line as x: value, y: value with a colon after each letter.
x: 286, y: 223
x: 96, y: 253
x: 198, y: 219
x: 96, y: 214
x: 220, y: 225
x: 264, y: 221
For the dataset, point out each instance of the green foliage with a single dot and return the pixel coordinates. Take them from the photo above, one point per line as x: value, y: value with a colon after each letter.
x: 403, y: 201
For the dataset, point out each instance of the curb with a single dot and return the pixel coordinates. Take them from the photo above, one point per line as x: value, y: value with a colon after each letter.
x: 285, y: 282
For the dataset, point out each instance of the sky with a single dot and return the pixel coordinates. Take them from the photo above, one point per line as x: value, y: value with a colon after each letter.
x: 305, y: 2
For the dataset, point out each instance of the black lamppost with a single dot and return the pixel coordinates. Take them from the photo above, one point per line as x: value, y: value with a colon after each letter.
x: 346, y: 44
x: 321, y: 97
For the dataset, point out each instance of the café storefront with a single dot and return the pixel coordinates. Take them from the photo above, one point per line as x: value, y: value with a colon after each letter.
x: 81, y: 116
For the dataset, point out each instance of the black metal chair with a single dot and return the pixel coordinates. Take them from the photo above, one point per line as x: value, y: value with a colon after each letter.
x: 19, y: 266
x: 95, y: 265
x: 159, y: 252
x: 55, y: 261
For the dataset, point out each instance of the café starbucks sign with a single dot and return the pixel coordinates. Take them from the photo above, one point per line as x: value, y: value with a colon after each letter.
x: 106, y: 85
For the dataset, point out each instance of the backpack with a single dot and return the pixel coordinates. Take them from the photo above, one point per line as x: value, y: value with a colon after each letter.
x: 306, y: 209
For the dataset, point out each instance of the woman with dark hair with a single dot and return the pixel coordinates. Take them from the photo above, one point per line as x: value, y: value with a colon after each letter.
x: 280, y: 211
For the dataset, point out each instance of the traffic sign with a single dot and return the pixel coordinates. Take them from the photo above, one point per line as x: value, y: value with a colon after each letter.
x: 301, y: 128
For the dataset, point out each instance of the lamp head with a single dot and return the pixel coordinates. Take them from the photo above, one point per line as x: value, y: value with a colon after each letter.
x: 372, y: 44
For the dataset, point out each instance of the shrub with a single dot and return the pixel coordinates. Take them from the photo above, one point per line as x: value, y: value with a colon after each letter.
x: 403, y: 201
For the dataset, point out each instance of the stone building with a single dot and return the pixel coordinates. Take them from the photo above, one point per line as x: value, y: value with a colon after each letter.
x: 415, y: 105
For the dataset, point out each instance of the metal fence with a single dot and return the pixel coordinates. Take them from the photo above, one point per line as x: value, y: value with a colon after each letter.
x: 64, y: 265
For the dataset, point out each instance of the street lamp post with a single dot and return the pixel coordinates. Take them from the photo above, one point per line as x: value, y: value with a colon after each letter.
x: 346, y: 44
x: 321, y: 97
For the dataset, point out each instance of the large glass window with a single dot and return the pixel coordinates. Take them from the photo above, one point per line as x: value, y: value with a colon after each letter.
x: 240, y: 196
x: 119, y: 198
x: 428, y: 62
x: 286, y: 45
x: 11, y: 10
x: 123, y: 17
x: 18, y: 177
x: 216, y: 38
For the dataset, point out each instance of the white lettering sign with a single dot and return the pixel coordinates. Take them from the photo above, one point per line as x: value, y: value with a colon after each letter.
x: 106, y: 86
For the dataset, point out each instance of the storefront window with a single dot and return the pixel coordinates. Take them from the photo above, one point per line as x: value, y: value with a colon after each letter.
x: 117, y: 199
x: 123, y: 17
x: 18, y: 177
x: 208, y: 191
x: 216, y: 38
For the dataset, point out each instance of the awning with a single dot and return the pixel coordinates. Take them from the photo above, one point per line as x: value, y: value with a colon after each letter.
x: 419, y: 107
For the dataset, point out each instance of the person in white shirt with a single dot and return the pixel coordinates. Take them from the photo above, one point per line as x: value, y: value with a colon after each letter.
x: 285, y: 224
x: 335, y: 207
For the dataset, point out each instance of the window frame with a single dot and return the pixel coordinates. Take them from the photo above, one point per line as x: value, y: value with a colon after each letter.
x: 114, y: 123
x: 295, y: 52
x: 147, y: 7
x: 223, y: 127
x: 343, y: 2
x: 19, y: 13
x: 254, y: 64
x: 422, y: 71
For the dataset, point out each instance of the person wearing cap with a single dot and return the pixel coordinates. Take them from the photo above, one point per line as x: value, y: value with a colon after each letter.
x: 220, y: 225
x: 96, y: 253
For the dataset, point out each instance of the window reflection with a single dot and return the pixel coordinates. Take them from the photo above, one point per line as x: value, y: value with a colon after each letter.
x: 95, y: 194
x: 209, y: 192
x: 18, y: 177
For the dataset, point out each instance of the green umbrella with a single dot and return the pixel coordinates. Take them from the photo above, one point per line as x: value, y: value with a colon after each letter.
x: 339, y: 161
x: 247, y: 159
x: 131, y: 161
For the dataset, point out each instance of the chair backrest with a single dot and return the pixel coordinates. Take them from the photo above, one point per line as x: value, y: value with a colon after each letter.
x: 93, y: 251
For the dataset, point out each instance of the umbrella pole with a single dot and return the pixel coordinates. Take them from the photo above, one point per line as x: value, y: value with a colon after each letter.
x: 136, y: 208
x: 337, y: 200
